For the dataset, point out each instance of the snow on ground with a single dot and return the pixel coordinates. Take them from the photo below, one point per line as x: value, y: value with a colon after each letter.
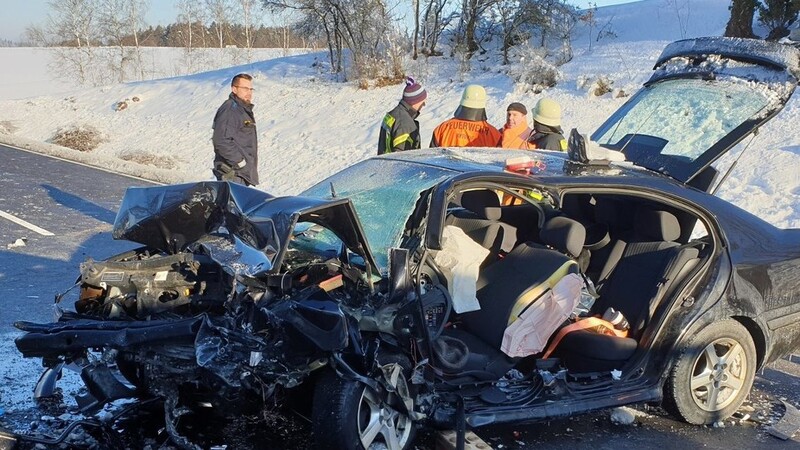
x: 310, y: 126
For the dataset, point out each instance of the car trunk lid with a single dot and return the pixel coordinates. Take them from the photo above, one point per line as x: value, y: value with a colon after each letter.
x: 705, y: 96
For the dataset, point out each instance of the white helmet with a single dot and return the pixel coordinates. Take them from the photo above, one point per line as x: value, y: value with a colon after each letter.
x: 547, y: 112
x: 474, y: 96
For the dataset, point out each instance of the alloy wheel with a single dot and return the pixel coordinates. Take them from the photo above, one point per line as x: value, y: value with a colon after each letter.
x: 719, y: 374
x: 378, y: 421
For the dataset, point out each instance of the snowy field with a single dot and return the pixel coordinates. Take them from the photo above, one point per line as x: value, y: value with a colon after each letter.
x: 310, y: 126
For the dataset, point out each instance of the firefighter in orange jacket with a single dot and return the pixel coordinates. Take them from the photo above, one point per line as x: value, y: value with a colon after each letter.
x: 468, y: 127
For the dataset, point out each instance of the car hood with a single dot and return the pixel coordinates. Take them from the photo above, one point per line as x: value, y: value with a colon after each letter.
x: 244, y: 229
x: 704, y: 97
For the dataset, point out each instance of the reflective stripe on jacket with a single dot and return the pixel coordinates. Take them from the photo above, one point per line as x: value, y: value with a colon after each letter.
x: 399, y: 130
x: 545, y: 137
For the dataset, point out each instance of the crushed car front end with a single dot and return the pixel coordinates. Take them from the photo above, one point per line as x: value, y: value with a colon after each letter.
x: 235, y: 294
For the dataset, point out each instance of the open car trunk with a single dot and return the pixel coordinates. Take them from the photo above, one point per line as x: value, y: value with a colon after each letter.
x: 704, y: 97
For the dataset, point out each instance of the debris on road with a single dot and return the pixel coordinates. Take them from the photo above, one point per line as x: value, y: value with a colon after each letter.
x: 788, y: 425
x: 623, y: 416
x: 21, y: 242
x: 447, y: 441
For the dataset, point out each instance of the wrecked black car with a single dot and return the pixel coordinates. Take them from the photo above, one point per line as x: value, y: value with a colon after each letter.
x: 459, y: 288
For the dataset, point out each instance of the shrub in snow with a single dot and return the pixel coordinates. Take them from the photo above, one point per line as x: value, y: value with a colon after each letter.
x: 533, y: 73
x: 602, y: 86
x: 6, y: 127
x: 598, y: 87
x: 150, y: 159
x: 84, y: 138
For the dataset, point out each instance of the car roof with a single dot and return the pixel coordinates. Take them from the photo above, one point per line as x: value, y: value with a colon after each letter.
x: 553, y: 166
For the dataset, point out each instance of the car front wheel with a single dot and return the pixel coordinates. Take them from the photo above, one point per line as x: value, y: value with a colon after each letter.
x: 713, y: 375
x: 348, y: 414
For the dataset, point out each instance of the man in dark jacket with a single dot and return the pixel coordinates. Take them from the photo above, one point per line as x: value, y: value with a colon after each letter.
x: 547, y: 132
x: 400, y: 129
x: 235, y: 138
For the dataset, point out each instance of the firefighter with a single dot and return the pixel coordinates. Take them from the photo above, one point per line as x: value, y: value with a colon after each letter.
x: 400, y: 128
x: 468, y: 127
x: 547, y: 132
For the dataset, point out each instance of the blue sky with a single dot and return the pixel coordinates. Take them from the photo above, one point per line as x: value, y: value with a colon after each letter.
x: 16, y: 15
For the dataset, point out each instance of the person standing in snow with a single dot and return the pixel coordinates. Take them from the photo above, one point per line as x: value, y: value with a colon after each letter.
x: 235, y: 139
x: 547, y: 132
x: 400, y: 128
x: 468, y: 127
x: 516, y: 131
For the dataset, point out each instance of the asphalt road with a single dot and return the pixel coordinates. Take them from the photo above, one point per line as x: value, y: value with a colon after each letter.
x: 78, y: 204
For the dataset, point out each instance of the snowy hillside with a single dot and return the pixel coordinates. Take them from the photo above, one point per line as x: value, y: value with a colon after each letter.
x: 310, y: 126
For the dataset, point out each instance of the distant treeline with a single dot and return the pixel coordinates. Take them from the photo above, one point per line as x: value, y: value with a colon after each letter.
x: 199, y: 35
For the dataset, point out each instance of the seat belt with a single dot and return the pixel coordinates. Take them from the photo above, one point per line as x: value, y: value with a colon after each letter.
x: 599, y: 325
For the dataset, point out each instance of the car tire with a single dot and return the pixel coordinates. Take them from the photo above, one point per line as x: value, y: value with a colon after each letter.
x: 713, y: 375
x: 348, y: 415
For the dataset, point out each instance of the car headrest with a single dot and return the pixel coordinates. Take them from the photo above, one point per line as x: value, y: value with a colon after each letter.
x: 564, y: 234
x: 656, y: 225
x: 483, y: 202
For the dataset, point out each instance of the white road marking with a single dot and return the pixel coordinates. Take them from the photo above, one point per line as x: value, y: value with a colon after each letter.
x: 25, y: 224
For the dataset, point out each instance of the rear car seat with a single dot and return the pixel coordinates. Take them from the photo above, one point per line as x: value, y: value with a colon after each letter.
x: 643, y: 275
x: 480, y: 220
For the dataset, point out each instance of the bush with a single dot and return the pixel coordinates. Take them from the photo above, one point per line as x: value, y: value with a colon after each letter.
x: 602, y: 86
x: 84, y: 138
x: 6, y: 127
x: 149, y: 159
x: 533, y: 73
x: 598, y: 87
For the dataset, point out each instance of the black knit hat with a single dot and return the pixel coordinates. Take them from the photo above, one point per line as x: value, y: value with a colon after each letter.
x: 518, y: 107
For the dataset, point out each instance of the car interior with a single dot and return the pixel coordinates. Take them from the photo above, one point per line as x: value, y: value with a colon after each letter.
x: 633, y: 253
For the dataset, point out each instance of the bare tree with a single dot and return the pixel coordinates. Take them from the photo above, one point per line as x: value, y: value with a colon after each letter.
x: 192, y: 15
x: 71, y: 30
x: 589, y: 17
x: 120, y: 22
x: 415, y: 5
x: 365, y: 27
x: 740, y: 23
x: 515, y: 20
x: 472, y: 11
x: 219, y: 12
x: 434, y: 21
x: 249, y: 13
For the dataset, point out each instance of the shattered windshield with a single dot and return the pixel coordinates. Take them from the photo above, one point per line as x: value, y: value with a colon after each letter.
x: 681, y: 118
x: 384, y: 193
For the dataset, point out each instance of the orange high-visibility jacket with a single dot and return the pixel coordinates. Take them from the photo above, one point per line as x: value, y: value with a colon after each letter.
x: 465, y: 133
x: 516, y: 138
